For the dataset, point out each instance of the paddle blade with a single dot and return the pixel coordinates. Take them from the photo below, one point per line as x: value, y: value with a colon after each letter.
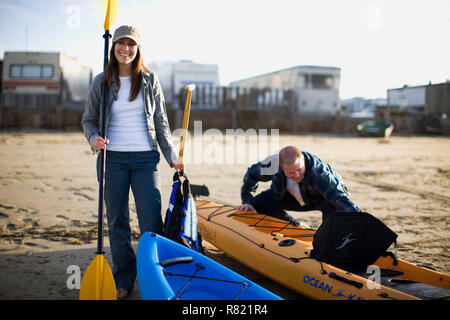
x: 98, y: 281
x: 109, y: 8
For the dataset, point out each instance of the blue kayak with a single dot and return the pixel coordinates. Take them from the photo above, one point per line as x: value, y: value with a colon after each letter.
x: 167, y: 270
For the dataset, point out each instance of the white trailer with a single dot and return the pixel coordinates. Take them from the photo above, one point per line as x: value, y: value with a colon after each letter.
x: 174, y: 76
x: 407, y: 96
x: 44, y: 79
x: 316, y: 88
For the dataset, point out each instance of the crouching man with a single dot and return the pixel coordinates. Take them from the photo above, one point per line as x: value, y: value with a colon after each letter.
x: 300, y: 182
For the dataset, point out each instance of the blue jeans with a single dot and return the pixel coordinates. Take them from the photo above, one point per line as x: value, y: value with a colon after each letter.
x: 140, y: 171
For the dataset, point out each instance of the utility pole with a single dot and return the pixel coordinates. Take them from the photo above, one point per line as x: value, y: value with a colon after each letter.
x: 26, y: 39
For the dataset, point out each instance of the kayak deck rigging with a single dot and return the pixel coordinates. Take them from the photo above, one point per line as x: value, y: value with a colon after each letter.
x: 194, y: 276
x: 198, y: 267
x: 170, y: 271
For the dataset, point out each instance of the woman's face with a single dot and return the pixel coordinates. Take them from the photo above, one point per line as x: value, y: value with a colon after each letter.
x: 125, y: 51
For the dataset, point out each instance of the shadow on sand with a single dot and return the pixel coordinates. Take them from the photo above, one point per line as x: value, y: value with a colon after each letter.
x: 48, y: 275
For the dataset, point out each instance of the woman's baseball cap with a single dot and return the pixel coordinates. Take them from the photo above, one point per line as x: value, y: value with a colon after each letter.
x: 127, y: 32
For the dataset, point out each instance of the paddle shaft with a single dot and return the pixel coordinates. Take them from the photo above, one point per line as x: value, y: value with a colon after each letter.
x: 187, y: 111
x: 101, y: 188
x: 98, y: 281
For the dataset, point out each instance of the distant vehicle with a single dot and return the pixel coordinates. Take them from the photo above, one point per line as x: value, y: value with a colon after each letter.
x: 372, y: 128
x: 44, y: 79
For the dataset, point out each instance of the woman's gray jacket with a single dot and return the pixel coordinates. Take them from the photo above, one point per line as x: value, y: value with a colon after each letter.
x: 155, y: 111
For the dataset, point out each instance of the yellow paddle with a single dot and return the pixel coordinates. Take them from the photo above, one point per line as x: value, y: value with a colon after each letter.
x: 187, y: 111
x: 98, y: 281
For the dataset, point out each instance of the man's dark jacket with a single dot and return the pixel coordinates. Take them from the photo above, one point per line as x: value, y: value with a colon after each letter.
x: 320, y: 187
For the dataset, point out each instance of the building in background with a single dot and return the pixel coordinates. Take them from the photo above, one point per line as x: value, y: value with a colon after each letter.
x: 1, y: 76
x: 316, y: 87
x: 43, y: 90
x: 407, y: 97
x: 174, y: 76
x: 44, y: 79
x: 420, y: 109
x: 432, y: 99
x: 437, y: 99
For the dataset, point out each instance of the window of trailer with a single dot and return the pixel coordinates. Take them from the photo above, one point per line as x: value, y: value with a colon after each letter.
x: 321, y: 81
x: 31, y: 71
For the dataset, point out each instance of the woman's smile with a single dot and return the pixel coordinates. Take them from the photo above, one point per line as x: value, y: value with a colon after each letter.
x: 125, y: 50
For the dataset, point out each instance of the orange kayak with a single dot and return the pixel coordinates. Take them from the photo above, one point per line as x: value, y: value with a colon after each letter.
x: 280, y: 251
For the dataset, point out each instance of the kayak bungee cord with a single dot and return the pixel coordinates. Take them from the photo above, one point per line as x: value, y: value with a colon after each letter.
x: 197, y: 268
x: 249, y: 216
x: 272, y: 233
x: 194, y: 276
x: 214, y: 207
x: 261, y: 245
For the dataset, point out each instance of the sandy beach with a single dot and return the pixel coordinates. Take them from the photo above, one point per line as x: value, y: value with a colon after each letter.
x: 48, y: 200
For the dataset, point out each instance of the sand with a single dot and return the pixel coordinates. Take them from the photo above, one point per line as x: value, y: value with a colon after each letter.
x: 48, y: 199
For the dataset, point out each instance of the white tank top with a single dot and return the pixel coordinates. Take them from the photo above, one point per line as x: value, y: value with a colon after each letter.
x: 127, y: 129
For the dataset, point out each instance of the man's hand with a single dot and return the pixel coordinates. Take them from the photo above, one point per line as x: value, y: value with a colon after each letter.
x: 244, y: 207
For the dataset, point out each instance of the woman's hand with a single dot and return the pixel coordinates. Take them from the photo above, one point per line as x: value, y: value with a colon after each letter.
x: 99, y: 143
x: 178, y: 167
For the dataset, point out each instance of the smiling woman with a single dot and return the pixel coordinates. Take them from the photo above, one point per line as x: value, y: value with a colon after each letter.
x: 136, y: 123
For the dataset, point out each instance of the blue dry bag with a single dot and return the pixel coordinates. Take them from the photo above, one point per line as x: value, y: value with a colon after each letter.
x: 180, y: 224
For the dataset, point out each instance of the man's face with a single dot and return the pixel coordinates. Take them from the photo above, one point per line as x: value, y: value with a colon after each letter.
x: 295, y: 171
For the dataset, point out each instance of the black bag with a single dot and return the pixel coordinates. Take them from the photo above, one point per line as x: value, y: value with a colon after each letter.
x: 351, y: 240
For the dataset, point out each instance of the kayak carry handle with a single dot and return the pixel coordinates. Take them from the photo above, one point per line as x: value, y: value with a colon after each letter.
x: 357, y: 284
x: 177, y: 260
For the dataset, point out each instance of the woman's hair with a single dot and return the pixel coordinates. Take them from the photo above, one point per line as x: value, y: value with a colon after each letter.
x: 112, y: 72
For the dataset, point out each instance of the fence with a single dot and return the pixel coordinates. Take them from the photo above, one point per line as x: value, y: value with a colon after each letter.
x: 217, y: 107
x: 234, y: 98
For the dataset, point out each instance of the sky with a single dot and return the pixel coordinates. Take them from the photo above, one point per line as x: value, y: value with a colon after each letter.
x: 377, y: 44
